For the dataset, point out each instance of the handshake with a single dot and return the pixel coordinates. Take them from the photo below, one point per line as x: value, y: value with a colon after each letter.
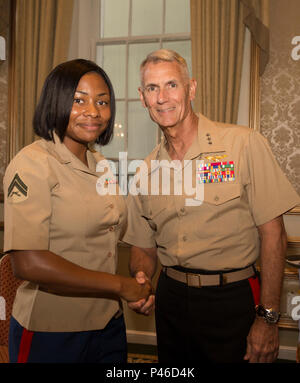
x: 139, y: 293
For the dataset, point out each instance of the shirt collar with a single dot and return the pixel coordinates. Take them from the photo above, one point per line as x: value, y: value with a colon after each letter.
x: 59, y: 150
x: 207, y: 141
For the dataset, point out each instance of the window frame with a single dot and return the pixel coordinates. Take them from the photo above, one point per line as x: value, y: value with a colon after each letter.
x: 128, y: 40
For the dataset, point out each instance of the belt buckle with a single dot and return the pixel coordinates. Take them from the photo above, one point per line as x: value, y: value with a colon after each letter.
x: 193, y: 275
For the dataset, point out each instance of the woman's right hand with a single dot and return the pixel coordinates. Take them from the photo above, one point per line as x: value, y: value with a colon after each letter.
x: 133, y: 291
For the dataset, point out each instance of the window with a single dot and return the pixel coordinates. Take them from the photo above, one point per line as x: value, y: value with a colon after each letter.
x: 129, y: 30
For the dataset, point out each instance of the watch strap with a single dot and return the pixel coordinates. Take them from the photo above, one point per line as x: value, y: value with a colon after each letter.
x: 270, y: 316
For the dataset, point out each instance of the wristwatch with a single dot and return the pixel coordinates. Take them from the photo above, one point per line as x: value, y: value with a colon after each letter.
x: 269, y: 315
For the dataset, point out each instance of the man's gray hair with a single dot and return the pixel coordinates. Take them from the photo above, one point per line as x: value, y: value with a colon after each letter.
x: 167, y: 55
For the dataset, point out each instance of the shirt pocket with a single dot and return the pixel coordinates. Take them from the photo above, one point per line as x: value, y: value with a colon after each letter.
x: 155, y: 210
x: 221, y: 210
x: 219, y: 194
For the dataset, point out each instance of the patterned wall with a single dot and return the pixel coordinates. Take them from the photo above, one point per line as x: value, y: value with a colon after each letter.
x: 280, y: 90
x: 4, y: 31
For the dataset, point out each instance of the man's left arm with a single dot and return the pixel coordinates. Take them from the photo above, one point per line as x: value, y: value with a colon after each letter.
x: 263, y: 338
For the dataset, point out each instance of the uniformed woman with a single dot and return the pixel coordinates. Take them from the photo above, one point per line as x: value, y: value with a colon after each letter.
x: 61, y: 234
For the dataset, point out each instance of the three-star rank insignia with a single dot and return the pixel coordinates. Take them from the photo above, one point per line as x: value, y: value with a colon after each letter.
x: 17, y: 190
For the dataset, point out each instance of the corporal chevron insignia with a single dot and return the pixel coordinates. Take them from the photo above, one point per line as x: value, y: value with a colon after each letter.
x: 17, y: 190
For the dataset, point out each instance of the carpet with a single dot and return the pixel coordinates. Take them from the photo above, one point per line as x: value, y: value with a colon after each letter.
x: 141, y: 358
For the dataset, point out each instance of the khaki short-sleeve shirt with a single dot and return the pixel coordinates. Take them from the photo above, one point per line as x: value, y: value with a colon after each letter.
x: 240, y: 186
x: 51, y: 203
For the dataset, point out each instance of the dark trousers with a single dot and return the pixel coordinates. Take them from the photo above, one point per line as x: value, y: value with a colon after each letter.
x: 97, y: 346
x: 203, y: 325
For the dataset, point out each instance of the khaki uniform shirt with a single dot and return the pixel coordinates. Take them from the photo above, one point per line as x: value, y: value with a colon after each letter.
x: 51, y: 203
x: 221, y: 233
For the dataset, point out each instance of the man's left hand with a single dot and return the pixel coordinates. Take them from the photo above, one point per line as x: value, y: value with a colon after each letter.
x: 142, y: 306
x: 262, y: 342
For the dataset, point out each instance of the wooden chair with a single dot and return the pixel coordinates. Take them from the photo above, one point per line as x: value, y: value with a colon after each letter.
x: 8, y: 287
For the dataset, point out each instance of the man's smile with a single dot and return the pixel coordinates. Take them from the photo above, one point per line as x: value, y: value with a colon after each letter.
x: 166, y: 110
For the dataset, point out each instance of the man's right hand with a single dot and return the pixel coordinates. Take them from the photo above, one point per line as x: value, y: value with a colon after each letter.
x: 132, y: 291
x: 143, y: 306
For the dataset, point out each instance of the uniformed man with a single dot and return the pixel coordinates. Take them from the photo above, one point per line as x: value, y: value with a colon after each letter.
x: 210, y: 304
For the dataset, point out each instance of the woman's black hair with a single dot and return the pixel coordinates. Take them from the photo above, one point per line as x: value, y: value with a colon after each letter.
x: 53, y: 110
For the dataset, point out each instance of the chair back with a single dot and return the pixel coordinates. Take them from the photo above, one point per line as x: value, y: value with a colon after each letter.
x: 8, y: 288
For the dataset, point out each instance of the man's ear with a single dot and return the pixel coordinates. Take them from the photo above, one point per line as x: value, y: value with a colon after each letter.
x: 142, y: 98
x: 193, y: 87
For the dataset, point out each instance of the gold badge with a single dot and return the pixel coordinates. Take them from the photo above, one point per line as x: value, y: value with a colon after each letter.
x: 215, y: 158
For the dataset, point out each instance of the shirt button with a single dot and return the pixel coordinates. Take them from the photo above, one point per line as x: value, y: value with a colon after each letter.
x: 109, y: 254
x: 216, y: 198
x: 182, y: 210
x: 184, y: 238
x: 111, y: 228
x: 111, y: 205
